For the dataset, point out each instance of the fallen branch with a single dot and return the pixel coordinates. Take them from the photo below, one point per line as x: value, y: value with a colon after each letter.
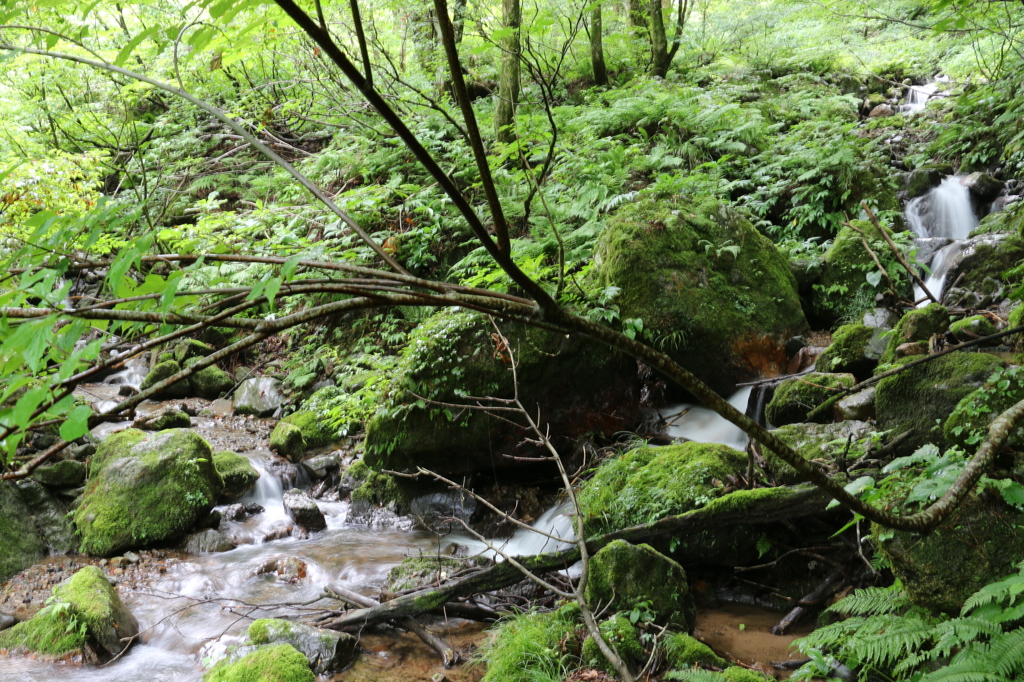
x: 896, y: 252
x: 820, y: 593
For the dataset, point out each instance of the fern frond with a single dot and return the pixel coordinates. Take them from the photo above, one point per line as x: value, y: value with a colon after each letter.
x: 693, y: 675
x: 871, y: 601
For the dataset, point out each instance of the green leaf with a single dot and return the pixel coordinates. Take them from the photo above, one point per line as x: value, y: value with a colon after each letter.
x: 126, y: 51
x: 77, y: 423
x: 288, y: 269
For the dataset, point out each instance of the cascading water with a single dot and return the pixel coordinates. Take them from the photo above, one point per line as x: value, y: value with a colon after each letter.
x: 704, y: 425
x: 944, y: 212
x: 917, y: 97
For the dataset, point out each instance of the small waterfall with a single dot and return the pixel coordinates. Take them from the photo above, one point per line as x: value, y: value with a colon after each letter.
x: 134, y: 372
x: 946, y: 212
x: 704, y: 425
x: 917, y: 97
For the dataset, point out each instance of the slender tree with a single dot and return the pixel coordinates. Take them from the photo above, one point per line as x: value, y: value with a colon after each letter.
x: 597, y: 46
x: 459, y: 19
x: 508, y: 81
x: 661, y: 54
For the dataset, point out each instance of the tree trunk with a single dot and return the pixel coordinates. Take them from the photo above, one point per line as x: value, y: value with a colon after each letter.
x: 659, y: 43
x: 424, y: 37
x: 637, y: 17
x: 459, y: 19
x: 508, y: 82
x: 597, y: 47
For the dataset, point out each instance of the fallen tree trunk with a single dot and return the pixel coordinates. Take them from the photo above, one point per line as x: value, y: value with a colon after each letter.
x: 760, y: 506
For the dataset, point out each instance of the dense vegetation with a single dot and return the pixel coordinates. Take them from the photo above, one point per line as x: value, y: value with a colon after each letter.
x: 549, y: 185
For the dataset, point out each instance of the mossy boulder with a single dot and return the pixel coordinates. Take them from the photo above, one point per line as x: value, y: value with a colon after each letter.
x: 795, y: 398
x: 968, y: 424
x: 237, y: 472
x: 917, y: 325
x: 711, y: 290
x: 67, y: 473
x: 821, y: 443
x: 646, y: 484
x: 973, y: 327
x: 978, y: 544
x: 281, y: 663
x: 530, y: 641
x: 165, y: 370
x: 168, y: 419
x: 923, y: 397
x: 981, y: 268
x: 855, y: 349
x: 683, y: 651
x: 623, y: 636
x: 315, y: 430
x: 145, y: 489
x: 187, y: 349
x: 211, y: 382
x: 49, y: 513
x: 843, y: 289
x: 21, y: 545
x: 326, y: 650
x: 287, y: 440
x: 580, y: 385
x: 419, y: 571
x: 622, y: 575
x: 87, y: 616
x: 921, y: 180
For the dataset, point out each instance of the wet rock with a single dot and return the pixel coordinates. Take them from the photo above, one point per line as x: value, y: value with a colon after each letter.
x: 916, y: 325
x: 282, y: 662
x: 881, y: 111
x: 921, y: 181
x: 207, y: 542
x: 314, y: 428
x: 211, y: 382
x: 288, y: 569
x: 145, y: 489
x: 67, y: 473
x: 795, y: 398
x: 7, y: 621
x: 1000, y: 203
x: 324, y: 465
x: 880, y: 318
x: 979, y: 267
x: 287, y: 441
x: 855, y: 349
x: 127, y: 390
x: 258, y: 397
x: 926, y: 394
x: 238, y: 474
x: 971, y: 328
x: 818, y: 442
x: 278, y: 531
x: 622, y: 575
x: 438, y: 510
x: 190, y: 348
x: 168, y: 419
x: 50, y: 515
x: 132, y: 557
x: 982, y: 185
x: 22, y: 544
x: 243, y: 373
x: 857, y: 407
x: 240, y: 512
x: 165, y: 370
x: 302, y: 509
x: 326, y: 650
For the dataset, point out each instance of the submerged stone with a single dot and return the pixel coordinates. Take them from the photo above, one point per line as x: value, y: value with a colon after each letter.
x: 207, y: 542
x: 145, y: 489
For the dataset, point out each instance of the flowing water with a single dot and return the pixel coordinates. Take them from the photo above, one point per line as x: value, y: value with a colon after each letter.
x: 702, y: 424
x: 917, y: 97
x: 944, y: 212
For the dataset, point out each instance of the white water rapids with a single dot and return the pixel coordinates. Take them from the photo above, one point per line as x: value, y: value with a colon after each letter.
x: 945, y: 211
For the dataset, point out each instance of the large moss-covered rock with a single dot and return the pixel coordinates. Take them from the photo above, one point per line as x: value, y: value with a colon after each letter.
x: 326, y: 650
x: 855, y: 349
x: 530, y: 641
x: 795, y: 398
x: 581, y: 386
x: 711, y: 290
x: 281, y: 663
x: 843, y: 288
x: 186, y: 349
x: 315, y: 430
x: 146, y: 488
x: 621, y: 634
x: 623, y: 575
x: 821, y: 443
x: 684, y: 651
x: 978, y: 544
x: 917, y: 325
x: 287, y: 440
x: 87, y: 612
x: 211, y: 382
x: 165, y: 370
x: 21, y: 545
x: 968, y: 424
x: 922, y: 397
x: 237, y: 472
x: 973, y: 327
x: 981, y: 267
x: 419, y: 571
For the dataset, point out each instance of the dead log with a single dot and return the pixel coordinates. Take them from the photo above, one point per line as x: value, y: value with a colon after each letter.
x: 826, y: 589
x: 760, y: 506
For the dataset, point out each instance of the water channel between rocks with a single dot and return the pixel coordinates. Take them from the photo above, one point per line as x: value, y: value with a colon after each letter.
x: 185, y: 612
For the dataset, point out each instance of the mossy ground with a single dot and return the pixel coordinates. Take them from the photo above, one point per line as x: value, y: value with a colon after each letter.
x: 684, y: 651
x: 618, y: 632
x: 533, y: 646
x: 146, y: 488
x: 795, y: 398
x: 282, y: 663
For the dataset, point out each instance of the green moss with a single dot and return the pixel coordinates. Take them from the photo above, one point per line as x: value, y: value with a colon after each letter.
x: 623, y: 575
x: 739, y: 674
x: 145, y: 489
x: 54, y: 631
x: 620, y: 633
x: 527, y: 646
x: 96, y: 605
x: 855, y: 349
x: 650, y: 483
x: 238, y: 473
x: 916, y: 325
x: 922, y: 397
x: 20, y: 541
x: 795, y: 398
x: 711, y: 290
x: 684, y: 651
x: 282, y: 663
x: 172, y: 419
x: 968, y: 424
x: 165, y: 370
x: 419, y: 571
x: 315, y: 429
x: 972, y: 327
x: 190, y: 348
x: 262, y: 630
x: 287, y: 440
x: 380, y: 489
x: 67, y: 473
x: 211, y: 382
x: 359, y: 470
x: 818, y: 442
